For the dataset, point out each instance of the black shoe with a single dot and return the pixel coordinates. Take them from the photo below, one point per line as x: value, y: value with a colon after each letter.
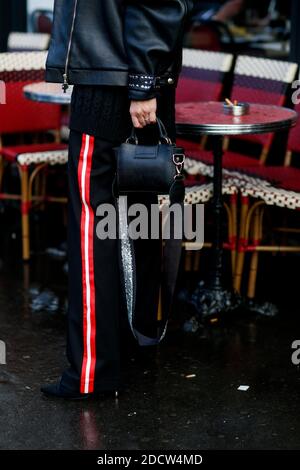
x: 58, y: 391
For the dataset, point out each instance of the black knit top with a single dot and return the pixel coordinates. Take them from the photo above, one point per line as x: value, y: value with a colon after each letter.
x: 103, y: 111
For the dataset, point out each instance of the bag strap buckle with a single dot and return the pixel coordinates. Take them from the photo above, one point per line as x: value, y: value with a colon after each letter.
x: 132, y: 139
x: 178, y: 160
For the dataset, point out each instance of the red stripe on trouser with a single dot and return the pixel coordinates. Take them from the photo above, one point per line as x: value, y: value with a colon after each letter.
x: 87, y: 260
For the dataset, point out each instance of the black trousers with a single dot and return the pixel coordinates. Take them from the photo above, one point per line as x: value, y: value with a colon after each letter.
x: 96, y: 301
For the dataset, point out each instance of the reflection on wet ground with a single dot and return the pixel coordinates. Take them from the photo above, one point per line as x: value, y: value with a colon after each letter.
x: 182, y: 396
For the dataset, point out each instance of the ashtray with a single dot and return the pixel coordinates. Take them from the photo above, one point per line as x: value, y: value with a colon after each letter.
x: 239, y: 109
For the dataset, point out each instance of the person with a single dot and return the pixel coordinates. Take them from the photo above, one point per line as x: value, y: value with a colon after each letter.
x: 124, y: 58
x: 229, y: 10
x: 222, y: 11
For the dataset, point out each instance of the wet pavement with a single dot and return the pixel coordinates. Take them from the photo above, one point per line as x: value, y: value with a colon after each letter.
x: 182, y: 396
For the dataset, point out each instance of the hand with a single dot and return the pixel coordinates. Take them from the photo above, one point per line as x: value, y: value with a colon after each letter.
x: 229, y: 10
x: 143, y: 112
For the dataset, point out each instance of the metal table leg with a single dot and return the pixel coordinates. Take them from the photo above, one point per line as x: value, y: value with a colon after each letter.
x: 214, y: 299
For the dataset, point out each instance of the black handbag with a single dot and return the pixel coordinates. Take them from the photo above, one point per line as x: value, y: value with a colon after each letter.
x: 154, y: 169
x: 149, y: 168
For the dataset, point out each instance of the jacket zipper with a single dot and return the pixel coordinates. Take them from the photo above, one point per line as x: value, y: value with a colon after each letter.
x: 65, y: 85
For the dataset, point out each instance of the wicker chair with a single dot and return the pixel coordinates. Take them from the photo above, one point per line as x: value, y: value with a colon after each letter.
x: 209, y: 35
x: 41, y: 21
x: 21, y: 116
x: 27, y: 42
x: 267, y: 186
x: 203, y: 77
x: 256, y: 80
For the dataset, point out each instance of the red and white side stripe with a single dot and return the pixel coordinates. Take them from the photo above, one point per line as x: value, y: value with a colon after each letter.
x: 87, y: 259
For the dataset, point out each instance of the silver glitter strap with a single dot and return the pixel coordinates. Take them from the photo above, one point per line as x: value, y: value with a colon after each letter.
x: 129, y: 276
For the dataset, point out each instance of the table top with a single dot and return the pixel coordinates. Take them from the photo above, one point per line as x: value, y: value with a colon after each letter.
x: 196, y: 117
x: 208, y: 118
x: 48, y: 93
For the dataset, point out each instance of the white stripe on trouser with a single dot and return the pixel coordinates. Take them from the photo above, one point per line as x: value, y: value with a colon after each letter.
x: 86, y: 264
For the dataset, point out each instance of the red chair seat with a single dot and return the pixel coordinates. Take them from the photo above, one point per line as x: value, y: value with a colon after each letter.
x: 188, y: 145
x: 195, y: 181
x: 11, y: 153
x: 287, y: 178
x: 231, y: 160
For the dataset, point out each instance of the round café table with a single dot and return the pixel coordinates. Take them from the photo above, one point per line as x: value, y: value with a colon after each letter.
x: 48, y: 93
x: 202, y: 118
x: 208, y: 118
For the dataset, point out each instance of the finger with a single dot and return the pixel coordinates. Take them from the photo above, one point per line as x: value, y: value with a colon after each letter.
x: 147, y: 119
x: 142, y: 121
x: 153, y: 117
x: 135, y: 122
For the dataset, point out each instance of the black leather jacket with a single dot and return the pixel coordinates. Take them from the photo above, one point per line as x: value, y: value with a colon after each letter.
x: 134, y: 43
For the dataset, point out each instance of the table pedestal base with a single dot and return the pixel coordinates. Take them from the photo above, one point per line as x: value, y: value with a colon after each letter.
x: 210, y: 302
x: 215, y: 299
x: 264, y: 309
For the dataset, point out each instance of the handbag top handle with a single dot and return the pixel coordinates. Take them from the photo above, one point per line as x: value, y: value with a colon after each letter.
x: 163, y: 135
